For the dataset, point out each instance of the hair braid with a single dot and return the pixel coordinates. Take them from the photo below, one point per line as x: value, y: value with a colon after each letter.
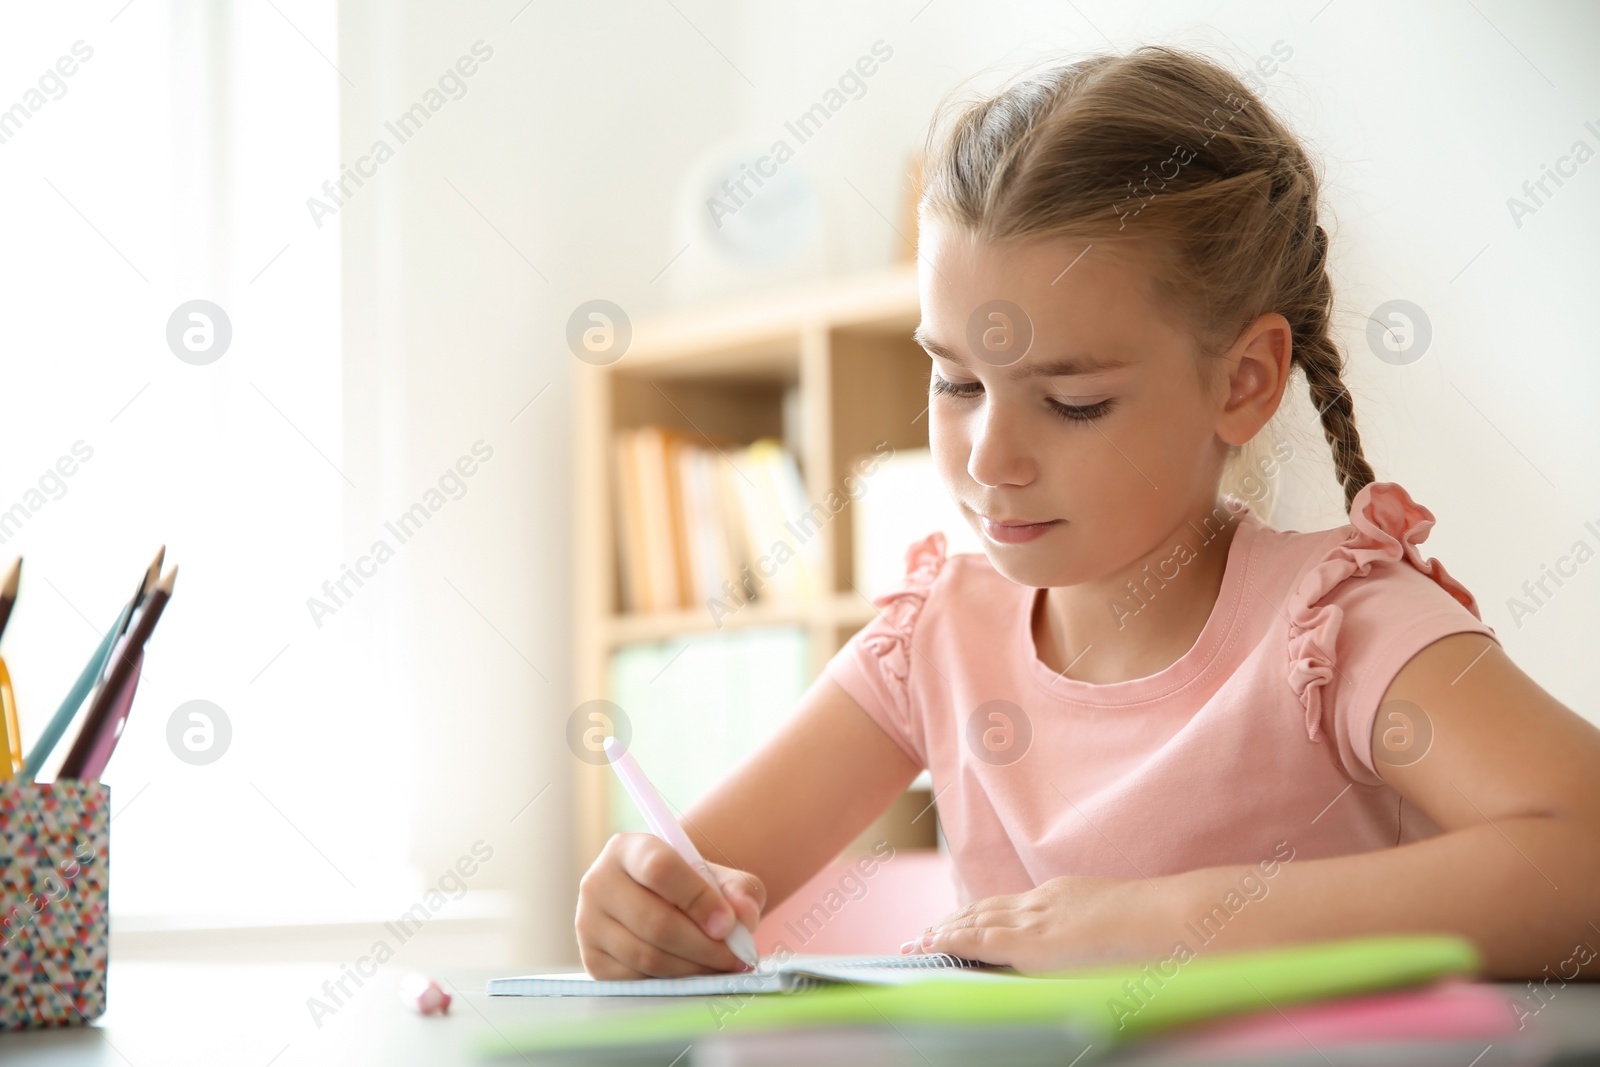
x: 1320, y: 359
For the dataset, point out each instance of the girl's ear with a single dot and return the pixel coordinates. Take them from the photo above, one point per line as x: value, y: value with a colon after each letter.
x: 1257, y: 372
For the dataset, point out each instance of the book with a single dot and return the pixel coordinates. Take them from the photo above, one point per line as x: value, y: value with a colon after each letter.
x: 656, y: 510
x: 1109, y: 1005
x: 771, y: 976
x: 1448, y: 1022
x: 633, y: 561
x: 1451, y: 1023
x: 707, y: 524
x: 909, y: 1044
x: 678, y: 520
x: 710, y: 551
x: 787, y: 518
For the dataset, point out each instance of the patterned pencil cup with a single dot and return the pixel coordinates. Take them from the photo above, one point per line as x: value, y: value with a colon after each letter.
x: 55, y: 853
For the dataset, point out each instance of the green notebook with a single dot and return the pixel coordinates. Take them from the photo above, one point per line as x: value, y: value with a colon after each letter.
x: 1104, y: 1005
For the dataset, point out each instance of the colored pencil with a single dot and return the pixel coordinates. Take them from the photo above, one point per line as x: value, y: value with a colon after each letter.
x: 100, y: 711
x: 8, y: 593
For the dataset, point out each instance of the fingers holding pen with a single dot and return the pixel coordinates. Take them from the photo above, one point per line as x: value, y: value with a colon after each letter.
x: 653, y: 865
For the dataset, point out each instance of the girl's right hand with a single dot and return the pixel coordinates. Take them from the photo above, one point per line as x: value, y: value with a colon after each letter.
x: 643, y: 912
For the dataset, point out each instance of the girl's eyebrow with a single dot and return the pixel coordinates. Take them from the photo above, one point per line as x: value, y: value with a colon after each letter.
x: 1061, y: 368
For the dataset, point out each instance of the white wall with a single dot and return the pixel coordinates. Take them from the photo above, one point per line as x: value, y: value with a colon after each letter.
x: 566, y: 142
x: 1427, y: 118
x: 570, y: 142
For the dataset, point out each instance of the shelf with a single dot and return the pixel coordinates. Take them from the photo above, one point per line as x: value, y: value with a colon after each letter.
x: 752, y: 338
x: 830, y: 368
x: 754, y: 361
x: 846, y: 609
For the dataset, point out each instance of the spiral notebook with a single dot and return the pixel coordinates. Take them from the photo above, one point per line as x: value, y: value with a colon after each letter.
x: 796, y: 972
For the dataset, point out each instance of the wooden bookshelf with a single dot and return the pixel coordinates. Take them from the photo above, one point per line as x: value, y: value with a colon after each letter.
x: 843, y: 354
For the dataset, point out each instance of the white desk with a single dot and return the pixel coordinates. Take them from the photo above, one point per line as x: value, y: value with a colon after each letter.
x: 177, y: 1015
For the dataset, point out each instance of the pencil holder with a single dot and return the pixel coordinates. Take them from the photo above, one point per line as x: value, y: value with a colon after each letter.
x: 55, y: 852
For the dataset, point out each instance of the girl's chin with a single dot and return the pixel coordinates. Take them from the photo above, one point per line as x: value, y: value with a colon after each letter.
x: 1013, y: 562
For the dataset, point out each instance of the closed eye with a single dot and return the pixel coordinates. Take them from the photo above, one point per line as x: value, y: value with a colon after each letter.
x: 1081, y: 412
x: 945, y: 387
x: 1072, y: 412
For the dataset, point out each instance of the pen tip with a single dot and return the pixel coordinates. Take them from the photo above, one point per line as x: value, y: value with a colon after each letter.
x: 743, y: 945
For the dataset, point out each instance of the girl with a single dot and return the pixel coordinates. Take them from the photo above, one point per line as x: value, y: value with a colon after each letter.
x: 1154, y: 723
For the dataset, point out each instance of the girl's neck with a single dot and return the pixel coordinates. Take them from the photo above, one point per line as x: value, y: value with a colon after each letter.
x: 1102, y: 632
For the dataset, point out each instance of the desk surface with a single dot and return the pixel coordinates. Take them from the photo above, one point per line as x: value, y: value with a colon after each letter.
x: 176, y: 1015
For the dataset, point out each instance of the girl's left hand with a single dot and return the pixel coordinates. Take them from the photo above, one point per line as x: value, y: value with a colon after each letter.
x: 1064, y: 923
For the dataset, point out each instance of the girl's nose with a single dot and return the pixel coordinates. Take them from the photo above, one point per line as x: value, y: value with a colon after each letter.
x: 1001, y: 452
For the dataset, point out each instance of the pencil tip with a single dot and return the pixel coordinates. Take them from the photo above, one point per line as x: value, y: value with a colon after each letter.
x: 166, y: 583
x: 12, y: 576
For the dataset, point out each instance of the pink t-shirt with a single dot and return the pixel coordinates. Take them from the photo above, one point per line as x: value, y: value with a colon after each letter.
x: 1259, y: 735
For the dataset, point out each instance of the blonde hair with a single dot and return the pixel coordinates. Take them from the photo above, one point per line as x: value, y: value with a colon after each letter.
x: 1166, y: 154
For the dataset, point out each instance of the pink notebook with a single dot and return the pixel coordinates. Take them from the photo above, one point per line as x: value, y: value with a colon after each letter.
x: 1452, y: 1010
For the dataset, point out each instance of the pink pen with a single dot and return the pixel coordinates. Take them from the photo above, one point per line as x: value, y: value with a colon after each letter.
x: 111, y: 733
x: 661, y: 822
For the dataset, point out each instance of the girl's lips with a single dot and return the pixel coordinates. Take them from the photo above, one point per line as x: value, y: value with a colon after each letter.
x: 1018, y: 533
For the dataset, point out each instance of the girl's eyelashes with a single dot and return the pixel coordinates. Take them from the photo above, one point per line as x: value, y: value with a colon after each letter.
x: 1081, y: 412
x: 946, y: 387
x: 1070, y: 412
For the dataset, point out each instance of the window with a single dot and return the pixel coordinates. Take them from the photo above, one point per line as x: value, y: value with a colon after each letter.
x: 172, y: 164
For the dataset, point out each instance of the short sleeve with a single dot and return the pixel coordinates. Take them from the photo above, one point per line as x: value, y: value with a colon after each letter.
x: 1359, y: 614
x: 874, y: 666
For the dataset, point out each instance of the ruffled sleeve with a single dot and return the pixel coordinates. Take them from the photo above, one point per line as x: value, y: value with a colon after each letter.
x: 874, y: 666
x: 1362, y: 611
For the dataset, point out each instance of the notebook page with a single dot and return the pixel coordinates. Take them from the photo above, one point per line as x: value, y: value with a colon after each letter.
x: 797, y: 972
x: 580, y: 984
